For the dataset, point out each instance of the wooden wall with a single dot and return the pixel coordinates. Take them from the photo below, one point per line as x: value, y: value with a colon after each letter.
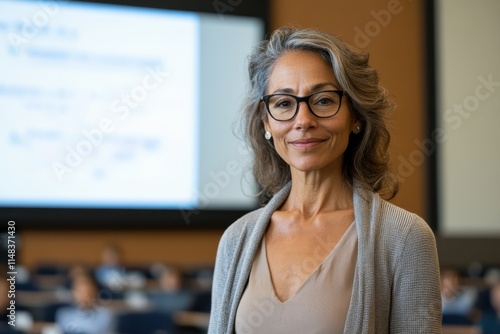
x: 392, y: 31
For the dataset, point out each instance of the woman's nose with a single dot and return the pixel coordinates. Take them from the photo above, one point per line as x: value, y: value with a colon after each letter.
x: 304, y: 118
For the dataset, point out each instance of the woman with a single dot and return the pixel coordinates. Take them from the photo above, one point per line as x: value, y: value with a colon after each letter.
x: 326, y: 254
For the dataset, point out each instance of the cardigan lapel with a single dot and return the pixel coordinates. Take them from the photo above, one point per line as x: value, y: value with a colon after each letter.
x: 361, y: 314
x: 251, y: 246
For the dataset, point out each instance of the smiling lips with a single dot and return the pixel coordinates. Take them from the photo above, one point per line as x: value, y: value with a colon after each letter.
x: 306, y: 143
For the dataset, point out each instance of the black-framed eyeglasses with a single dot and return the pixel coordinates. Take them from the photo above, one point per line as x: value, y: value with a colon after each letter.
x: 284, y: 107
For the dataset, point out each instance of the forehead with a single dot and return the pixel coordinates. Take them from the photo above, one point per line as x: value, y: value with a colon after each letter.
x: 299, y: 71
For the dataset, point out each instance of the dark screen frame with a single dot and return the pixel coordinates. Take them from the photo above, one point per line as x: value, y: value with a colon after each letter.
x: 431, y: 88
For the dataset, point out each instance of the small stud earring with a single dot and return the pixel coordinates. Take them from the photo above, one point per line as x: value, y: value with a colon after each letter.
x: 267, y: 135
x: 357, y: 129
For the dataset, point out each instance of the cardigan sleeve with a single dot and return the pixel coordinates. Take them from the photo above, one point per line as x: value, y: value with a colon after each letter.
x: 416, y: 297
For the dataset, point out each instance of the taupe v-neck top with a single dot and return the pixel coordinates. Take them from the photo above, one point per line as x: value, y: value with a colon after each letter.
x: 318, y: 306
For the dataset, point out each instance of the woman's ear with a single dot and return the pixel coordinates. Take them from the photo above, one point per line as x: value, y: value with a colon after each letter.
x: 266, y: 124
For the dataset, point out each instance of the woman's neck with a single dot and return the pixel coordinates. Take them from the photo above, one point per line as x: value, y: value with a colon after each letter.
x: 314, y: 192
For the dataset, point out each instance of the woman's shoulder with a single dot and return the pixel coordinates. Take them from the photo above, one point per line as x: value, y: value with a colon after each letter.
x: 384, y: 214
x: 387, y: 221
x: 403, y: 231
x: 398, y: 219
x: 395, y: 235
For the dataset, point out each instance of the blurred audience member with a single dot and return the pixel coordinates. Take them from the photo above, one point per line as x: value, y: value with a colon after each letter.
x: 490, y: 321
x: 203, y: 278
x: 110, y: 273
x: 172, y: 294
x: 457, y: 300
x: 86, y: 316
x: 75, y: 271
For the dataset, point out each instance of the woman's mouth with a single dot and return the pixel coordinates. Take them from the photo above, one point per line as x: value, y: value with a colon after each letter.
x: 306, y: 142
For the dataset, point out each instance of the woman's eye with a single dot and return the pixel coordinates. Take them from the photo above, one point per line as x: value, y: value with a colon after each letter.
x: 324, y: 101
x: 283, y: 104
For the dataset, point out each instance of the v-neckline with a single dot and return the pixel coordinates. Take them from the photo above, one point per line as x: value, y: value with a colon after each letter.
x: 327, y: 258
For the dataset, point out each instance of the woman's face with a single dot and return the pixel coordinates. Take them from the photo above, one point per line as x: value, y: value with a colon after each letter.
x: 306, y: 142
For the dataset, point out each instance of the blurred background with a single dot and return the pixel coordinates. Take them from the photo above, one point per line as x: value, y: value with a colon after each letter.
x: 138, y: 261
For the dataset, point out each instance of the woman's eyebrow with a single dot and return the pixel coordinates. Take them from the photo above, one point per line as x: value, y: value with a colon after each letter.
x: 315, y: 87
x: 322, y: 85
x: 283, y: 91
